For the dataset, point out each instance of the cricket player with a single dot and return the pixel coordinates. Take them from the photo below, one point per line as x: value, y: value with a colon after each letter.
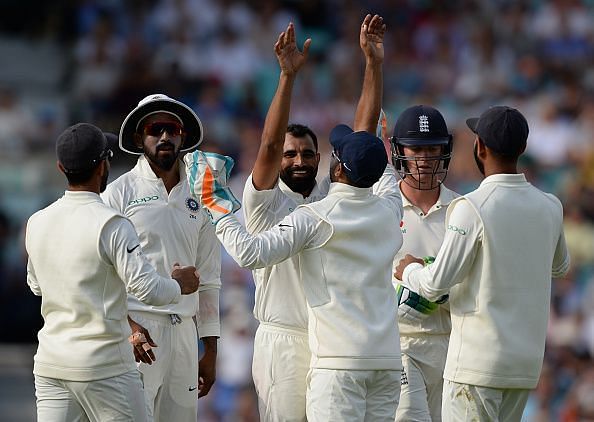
x: 172, y: 227
x: 421, y: 153
x: 284, y: 177
x: 345, y: 257
x: 83, y: 257
x: 503, y: 243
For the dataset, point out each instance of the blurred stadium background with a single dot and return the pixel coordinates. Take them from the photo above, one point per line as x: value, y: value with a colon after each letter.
x: 93, y: 60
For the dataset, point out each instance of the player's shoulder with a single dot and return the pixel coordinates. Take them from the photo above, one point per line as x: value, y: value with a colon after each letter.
x: 552, y: 201
x: 448, y: 194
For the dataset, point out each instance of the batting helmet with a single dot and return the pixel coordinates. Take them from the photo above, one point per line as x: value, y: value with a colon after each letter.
x: 421, y: 126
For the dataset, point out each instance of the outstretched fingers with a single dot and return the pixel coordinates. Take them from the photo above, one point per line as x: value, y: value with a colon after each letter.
x: 278, y: 46
x: 306, y: 45
x: 291, y: 34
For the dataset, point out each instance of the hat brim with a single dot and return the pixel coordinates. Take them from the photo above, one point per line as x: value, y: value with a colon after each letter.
x: 422, y: 142
x: 191, y: 122
x: 338, y: 133
x: 472, y: 123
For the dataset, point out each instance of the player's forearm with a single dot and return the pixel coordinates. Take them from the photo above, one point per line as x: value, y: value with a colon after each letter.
x: 269, y: 156
x: 370, y: 102
x: 210, y: 344
x: 277, y: 118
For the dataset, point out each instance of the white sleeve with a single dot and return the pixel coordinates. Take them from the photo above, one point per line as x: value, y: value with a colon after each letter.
x: 208, y: 318
x: 208, y: 257
x: 464, y: 232
x: 119, y: 245
x: 32, y: 279
x: 259, y: 206
x: 387, y: 187
x: 208, y: 263
x: 561, y: 258
x: 298, y: 231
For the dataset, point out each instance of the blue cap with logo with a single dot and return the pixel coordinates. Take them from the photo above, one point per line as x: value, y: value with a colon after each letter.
x: 361, y: 153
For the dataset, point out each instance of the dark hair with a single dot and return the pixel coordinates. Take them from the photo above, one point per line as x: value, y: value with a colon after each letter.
x: 300, y: 131
x: 80, y: 177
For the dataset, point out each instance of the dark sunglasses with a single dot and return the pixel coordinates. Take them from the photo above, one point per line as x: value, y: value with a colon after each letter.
x: 157, y: 128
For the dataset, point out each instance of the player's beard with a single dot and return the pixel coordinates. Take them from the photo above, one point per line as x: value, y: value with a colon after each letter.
x: 477, y: 160
x: 303, y: 184
x: 333, y: 165
x: 104, y: 182
x: 167, y: 161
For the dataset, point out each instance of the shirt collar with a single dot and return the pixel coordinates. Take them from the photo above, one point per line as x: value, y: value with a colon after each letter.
x: 81, y: 196
x: 513, y: 179
x: 145, y: 170
x: 445, y: 197
x: 349, y: 190
x: 295, y: 196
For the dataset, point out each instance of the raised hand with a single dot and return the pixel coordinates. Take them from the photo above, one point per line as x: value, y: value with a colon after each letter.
x: 371, y: 37
x: 289, y: 57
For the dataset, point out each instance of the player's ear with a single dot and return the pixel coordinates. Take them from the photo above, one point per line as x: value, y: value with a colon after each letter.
x: 60, y: 167
x: 481, y: 148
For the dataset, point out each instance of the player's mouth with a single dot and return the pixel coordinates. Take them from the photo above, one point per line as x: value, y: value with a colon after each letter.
x: 300, y: 174
x: 165, y: 148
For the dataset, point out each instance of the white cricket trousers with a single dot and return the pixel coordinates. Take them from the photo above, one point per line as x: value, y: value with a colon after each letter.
x: 463, y: 402
x: 117, y: 398
x: 171, y: 382
x: 423, y: 361
x: 335, y: 395
x: 279, y: 368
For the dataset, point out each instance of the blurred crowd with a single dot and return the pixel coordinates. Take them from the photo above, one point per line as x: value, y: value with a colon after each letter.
x: 93, y: 60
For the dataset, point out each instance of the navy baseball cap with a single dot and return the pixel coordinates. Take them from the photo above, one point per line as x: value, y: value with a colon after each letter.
x: 362, y: 154
x: 82, y: 146
x: 503, y: 129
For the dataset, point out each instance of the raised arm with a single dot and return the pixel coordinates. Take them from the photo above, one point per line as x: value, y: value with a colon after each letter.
x: 267, y: 166
x: 371, y: 40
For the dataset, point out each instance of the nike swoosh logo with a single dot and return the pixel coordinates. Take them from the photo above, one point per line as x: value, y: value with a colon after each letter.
x: 130, y: 250
x: 284, y: 225
x: 192, y: 388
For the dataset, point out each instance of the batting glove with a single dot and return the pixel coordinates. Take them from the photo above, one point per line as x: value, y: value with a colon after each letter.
x: 208, y: 174
x: 413, y: 307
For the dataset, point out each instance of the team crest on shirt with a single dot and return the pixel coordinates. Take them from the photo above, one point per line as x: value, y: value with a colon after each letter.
x: 192, y: 205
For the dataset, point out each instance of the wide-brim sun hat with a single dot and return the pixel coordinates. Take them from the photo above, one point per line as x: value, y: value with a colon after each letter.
x: 156, y: 103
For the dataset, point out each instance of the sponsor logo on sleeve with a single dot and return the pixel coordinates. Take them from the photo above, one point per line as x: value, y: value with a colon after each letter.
x: 130, y: 250
x: 457, y: 229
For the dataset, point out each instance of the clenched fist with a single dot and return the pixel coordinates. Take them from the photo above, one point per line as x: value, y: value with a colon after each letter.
x: 187, y: 278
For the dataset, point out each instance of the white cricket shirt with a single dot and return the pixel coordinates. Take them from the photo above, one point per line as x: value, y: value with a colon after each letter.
x: 263, y: 209
x: 345, y: 267
x: 83, y: 257
x: 172, y: 228
x: 423, y: 235
x: 503, y: 243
